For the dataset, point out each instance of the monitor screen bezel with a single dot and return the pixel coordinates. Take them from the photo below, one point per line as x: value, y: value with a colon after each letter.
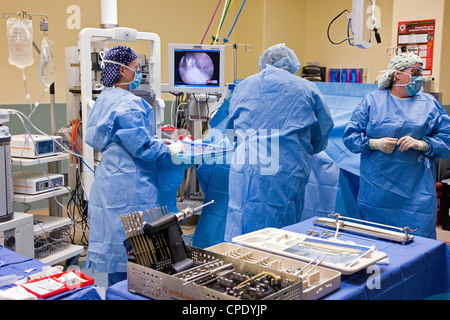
x: 220, y: 88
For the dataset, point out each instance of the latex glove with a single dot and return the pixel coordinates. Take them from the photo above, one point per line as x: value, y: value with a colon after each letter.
x: 408, y: 142
x: 176, y: 147
x: 386, y: 145
x: 167, y: 141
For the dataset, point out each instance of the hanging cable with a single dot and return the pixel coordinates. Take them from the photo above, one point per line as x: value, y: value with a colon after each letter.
x: 19, y: 113
x: 23, y: 117
x: 77, y: 204
x: 78, y: 156
x: 348, y: 27
x: 211, y: 21
x: 237, y: 17
x: 225, y: 10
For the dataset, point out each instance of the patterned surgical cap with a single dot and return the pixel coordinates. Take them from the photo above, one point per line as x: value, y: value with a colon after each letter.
x: 110, y: 71
x: 400, y: 62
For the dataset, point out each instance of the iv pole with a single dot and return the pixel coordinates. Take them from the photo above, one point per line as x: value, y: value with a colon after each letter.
x: 53, y: 167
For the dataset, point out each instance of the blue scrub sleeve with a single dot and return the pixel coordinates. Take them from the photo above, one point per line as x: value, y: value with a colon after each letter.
x: 438, y: 137
x: 322, y: 129
x: 355, y: 138
x: 131, y: 129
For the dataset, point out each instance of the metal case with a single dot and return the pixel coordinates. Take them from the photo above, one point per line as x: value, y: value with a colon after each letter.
x: 317, y: 281
x: 161, y: 286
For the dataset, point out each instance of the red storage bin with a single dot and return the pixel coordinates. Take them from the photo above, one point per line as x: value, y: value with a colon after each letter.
x: 33, y: 286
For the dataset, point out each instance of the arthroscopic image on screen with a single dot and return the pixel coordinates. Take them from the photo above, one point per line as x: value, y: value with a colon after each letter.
x: 197, y: 68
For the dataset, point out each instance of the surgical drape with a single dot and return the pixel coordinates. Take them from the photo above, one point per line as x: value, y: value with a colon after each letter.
x: 399, y: 189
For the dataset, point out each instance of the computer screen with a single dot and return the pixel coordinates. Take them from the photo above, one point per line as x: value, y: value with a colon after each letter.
x: 196, y: 68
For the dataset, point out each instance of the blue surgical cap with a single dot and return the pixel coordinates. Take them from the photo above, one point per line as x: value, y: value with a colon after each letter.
x: 119, y: 54
x: 279, y: 56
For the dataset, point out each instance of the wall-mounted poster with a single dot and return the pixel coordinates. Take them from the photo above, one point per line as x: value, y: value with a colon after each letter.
x: 418, y: 37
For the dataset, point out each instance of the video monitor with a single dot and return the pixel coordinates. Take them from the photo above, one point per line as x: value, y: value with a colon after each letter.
x: 196, y: 68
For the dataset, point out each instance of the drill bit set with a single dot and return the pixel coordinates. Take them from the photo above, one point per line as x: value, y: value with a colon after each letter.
x: 147, y: 251
x: 157, y: 243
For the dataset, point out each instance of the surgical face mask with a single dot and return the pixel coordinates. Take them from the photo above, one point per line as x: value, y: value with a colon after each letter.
x: 137, y: 75
x: 137, y: 80
x: 414, y: 85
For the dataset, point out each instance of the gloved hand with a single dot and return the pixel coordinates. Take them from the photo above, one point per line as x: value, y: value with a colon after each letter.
x: 176, y: 147
x: 167, y: 141
x: 408, y: 142
x: 386, y: 145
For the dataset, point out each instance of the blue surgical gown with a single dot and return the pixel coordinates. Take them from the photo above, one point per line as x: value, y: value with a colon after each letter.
x: 281, y: 120
x: 399, y: 189
x: 213, y: 179
x: 121, y: 127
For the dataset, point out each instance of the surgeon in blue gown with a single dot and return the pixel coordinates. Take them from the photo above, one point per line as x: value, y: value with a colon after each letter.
x: 121, y: 127
x: 278, y: 121
x: 399, y: 132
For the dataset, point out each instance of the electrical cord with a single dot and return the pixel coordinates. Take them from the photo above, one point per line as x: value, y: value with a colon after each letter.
x: 222, y: 19
x: 20, y: 115
x: 218, y: 4
x: 348, y: 27
x: 237, y: 17
x: 78, y: 156
x: 77, y: 203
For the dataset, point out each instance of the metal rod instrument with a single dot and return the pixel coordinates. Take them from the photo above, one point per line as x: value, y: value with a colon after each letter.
x: 368, y: 228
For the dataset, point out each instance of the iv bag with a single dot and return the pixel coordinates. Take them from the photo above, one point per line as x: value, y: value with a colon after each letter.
x: 20, y: 39
x: 47, y: 66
